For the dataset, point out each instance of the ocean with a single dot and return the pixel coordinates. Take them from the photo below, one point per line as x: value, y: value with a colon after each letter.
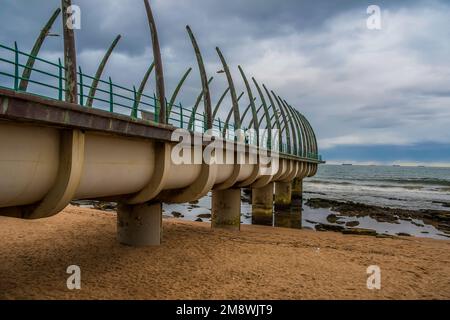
x: 387, y: 186
x: 413, y: 188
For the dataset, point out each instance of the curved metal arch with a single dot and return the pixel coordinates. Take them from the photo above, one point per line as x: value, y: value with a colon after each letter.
x: 271, y: 119
x: 311, y: 134
x: 177, y: 90
x: 260, y: 120
x: 275, y: 114
x: 302, y: 136
x: 194, y: 109
x: 159, y: 71
x: 266, y: 112
x: 269, y: 130
x: 246, y: 111
x: 291, y: 123
x: 311, y: 148
x: 70, y: 56
x: 283, y: 129
x: 234, y: 100
x: 204, y: 78
x: 142, y: 87
x: 307, y: 134
x: 314, y: 139
x: 283, y: 125
x: 35, y: 51
x: 300, y: 129
x: 283, y: 115
x: 298, y: 126
x: 98, y: 74
x: 216, y: 109
x: 227, y: 121
x: 252, y: 103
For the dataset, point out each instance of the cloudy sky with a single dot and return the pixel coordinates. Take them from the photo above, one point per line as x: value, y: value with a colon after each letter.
x: 372, y: 96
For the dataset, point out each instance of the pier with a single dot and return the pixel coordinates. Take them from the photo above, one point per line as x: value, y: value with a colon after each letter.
x: 66, y: 135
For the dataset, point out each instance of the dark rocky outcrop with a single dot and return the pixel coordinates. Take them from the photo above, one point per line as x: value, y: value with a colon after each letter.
x: 177, y: 214
x: 332, y: 218
x: 352, y: 224
x: 403, y: 234
x: 439, y: 219
x: 360, y: 232
x: 329, y: 227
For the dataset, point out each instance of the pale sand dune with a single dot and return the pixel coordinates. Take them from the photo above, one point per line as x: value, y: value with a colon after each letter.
x: 195, y: 262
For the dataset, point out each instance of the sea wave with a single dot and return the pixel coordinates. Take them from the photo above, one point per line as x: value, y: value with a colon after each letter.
x: 420, y: 181
x: 363, y: 184
x: 384, y: 186
x: 407, y: 183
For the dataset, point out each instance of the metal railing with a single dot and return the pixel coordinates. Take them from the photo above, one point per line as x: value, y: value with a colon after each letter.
x: 48, y: 81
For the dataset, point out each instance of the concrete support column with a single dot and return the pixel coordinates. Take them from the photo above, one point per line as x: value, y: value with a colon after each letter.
x: 139, y: 225
x: 226, y: 209
x: 283, y: 194
x: 289, y: 219
x: 262, y: 205
x: 297, y: 191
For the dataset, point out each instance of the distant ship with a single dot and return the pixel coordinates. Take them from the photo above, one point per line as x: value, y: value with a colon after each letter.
x: 396, y: 165
x: 347, y: 164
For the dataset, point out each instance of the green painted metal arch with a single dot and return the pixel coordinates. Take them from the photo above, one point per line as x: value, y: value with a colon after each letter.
x: 222, y: 97
x: 234, y: 100
x: 142, y: 87
x: 275, y: 115
x: 177, y: 90
x: 284, y: 126
x: 282, y: 131
x: 302, y: 132
x: 246, y: 111
x: 260, y: 120
x: 291, y: 123
x: 283, y: 115
x: 194, y: 109
x: 311, y: 135
x: 266, y: 113
x: 159, y: 69
x: 271, y: 119
x: 307, y: 134
x: 98, y: 74
x: 302, y: 137
x: 296, y: 123
x: 35, y: 51
x: 314, y: 139
x: 252, y: 103
x: 227, y: 121
x: 204, y: 78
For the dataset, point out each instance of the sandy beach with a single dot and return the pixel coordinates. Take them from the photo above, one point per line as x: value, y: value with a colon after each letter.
x: 195, y: 262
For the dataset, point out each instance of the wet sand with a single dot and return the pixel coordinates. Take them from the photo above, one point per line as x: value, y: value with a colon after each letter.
x: 195, y: 262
